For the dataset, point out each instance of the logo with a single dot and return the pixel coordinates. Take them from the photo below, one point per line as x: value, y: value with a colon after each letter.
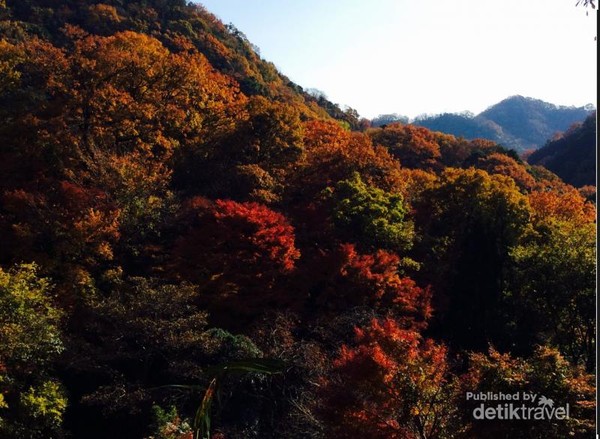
x: 516, y: 406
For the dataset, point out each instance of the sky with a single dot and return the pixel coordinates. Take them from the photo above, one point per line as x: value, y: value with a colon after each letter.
x: 415, y: 57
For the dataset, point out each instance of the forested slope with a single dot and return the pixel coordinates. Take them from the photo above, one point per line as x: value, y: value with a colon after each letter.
x: 572, y: 155
x: 172, y: 211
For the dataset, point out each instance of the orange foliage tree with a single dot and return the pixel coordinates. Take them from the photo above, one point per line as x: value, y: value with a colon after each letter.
x: 333, y: 154
x: 497, y: 163
x: 415, y: 147
x: 105, y: 114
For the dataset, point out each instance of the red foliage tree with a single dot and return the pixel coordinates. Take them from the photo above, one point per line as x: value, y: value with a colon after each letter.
x: 372, y: 280
x: 230, y: 238
x: 391, y: 384
x: 237, y: 251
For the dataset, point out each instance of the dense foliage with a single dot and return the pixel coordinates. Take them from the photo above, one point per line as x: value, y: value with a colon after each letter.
x: 176, y: 215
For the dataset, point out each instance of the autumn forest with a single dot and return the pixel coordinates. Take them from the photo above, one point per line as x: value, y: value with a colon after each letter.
x: 193, y: 246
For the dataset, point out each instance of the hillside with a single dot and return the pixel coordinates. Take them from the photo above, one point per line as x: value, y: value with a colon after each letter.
x: 192, y: 246
x: 227, y: 49
x: 571, y: 156
x: 517, y: 122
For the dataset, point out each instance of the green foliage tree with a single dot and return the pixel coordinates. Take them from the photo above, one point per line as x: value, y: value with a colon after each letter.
x: 553, y: 289
x: 470, y: 221
x: 370, y: 215
x: 32, y: 401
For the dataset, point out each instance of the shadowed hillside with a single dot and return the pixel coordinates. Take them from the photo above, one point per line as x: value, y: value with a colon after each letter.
x: 572, y: 155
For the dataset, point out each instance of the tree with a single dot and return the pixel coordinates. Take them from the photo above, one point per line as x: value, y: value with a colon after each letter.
x: 103, y: 19
x: 571, y: 155
x: 546, y: 374
x: 391, y: 384
x: 250, y: 162
x: 70, y: 230
x: 144, y: 335
x: 370, y: 215
x: 373, y: 281
x: 229, y: 237
x: 103, y: 99
x: 32, y: 400
x: 333, y: 154
x: 239, y: 252
x: 502, y: 164
x: 470, y: 221
x: 110, y: 111
x: 273, y: 135
x: 553, y: 281
x: 415, y: 147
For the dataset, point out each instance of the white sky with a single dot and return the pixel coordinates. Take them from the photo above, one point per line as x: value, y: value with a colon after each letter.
x: 421, y: 56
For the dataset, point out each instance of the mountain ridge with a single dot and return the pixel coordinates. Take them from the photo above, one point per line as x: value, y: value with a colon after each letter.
x: 517, y: 122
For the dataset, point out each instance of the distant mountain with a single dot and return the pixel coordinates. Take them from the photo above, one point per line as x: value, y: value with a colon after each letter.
x: 469, y: 126
x: 516, y: 122
x: 572, y: 155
